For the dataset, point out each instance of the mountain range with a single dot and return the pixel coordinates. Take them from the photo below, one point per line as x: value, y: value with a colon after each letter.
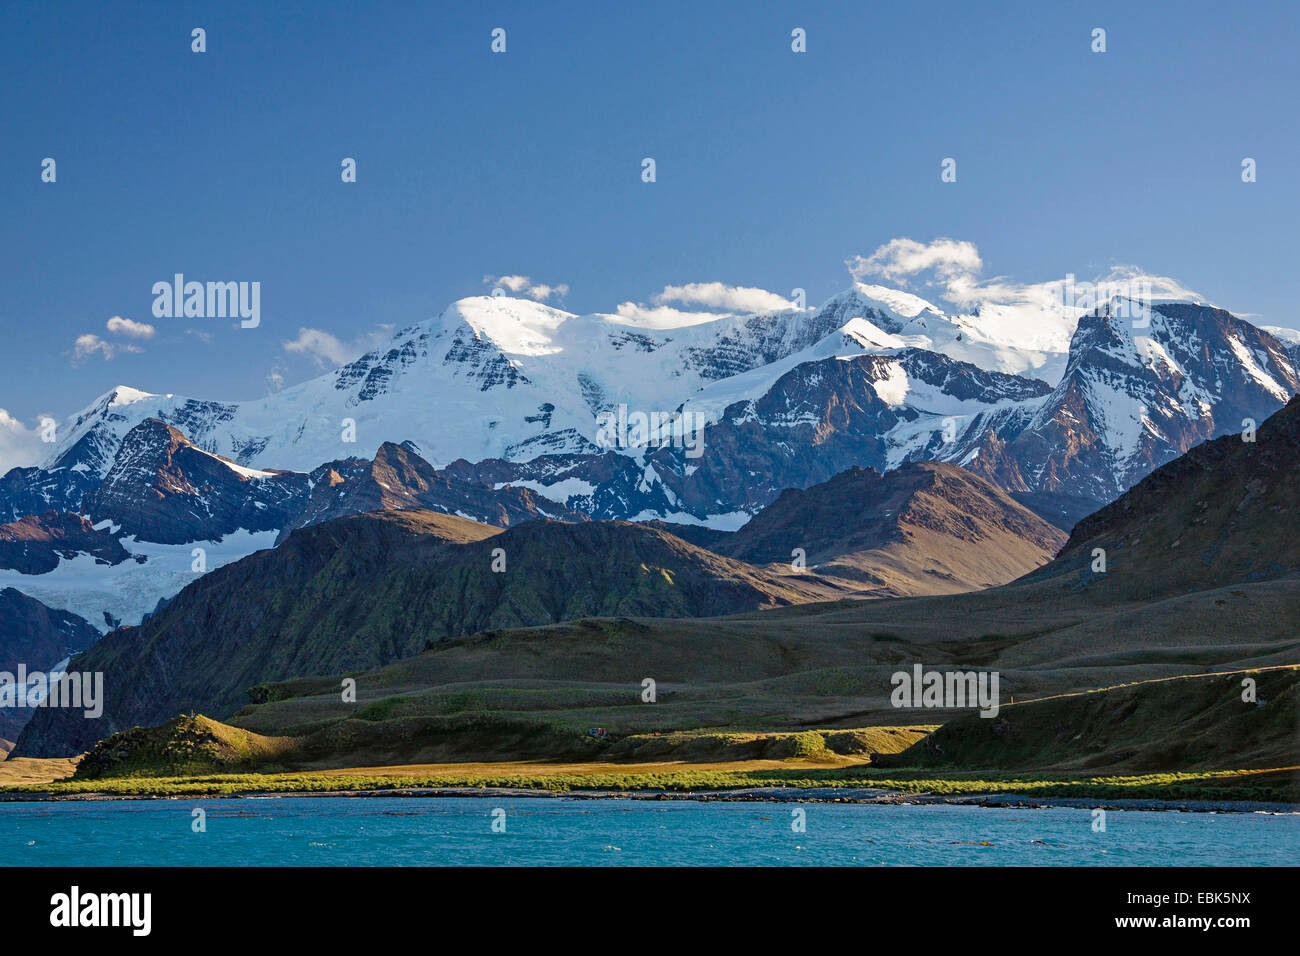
x: 364, y: 590
x: 900, y: 451
x: 1199, y: 576
x: 494, y: 411
x: 514, y: 390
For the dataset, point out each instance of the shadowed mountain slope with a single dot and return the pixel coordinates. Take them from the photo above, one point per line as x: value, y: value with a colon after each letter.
x: 36, y: 637
x: 1184, y: 723
x: 928, y: 528
x: 364, y: 590
x: 1226, y: 512
x: 1225, y: 597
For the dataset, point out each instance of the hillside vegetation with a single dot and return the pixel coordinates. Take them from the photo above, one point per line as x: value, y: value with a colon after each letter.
x: 1186, y: 723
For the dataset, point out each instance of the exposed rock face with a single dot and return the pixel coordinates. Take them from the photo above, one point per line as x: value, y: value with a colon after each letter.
x: 399, y: 478
x: 162, y: 488
x: 34, y: 544
x: 98, y: 432
x: 35, y: 491
x: 815, y: 421
x: 818, y: 420
x: 1139, y: 391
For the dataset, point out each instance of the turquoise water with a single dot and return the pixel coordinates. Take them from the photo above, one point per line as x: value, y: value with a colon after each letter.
x: 397, y: 831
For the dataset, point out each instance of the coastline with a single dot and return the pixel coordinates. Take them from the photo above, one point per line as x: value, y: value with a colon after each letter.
x: 855, y: 795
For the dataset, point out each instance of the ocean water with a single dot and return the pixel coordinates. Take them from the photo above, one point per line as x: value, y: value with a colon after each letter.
x: 412, y: 831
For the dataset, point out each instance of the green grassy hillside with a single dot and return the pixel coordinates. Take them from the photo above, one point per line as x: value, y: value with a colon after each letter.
x: 183, y: 745
x: 198, y: 746
x: 1187, y: 723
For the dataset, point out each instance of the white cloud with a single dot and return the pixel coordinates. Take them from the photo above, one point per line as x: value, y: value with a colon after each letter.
x: 326, y: 349
x: 90, y: 344
x: 135, y: 330
x: 718, y: 295
x: 20, y: 446
x: 661, y: 317
x: 523, y: 285
x: 726, y: 299
x: 1033, y: 315
x: 1283, y: 334
x: 951, y: 269
x: 900, y: 258
x: 87, y: 345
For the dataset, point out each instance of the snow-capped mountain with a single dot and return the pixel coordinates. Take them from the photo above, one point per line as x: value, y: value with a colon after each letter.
x: 161, y: 488
x: 167, y: 511
x: 491, y: 377
x: 514, y: 393
x: 497, y: 377
x: 1144, y: 384
x: 997, y: 339
x: 815, y: 420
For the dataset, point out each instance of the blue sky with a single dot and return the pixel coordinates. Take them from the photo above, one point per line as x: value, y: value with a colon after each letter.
x: 773, y: 168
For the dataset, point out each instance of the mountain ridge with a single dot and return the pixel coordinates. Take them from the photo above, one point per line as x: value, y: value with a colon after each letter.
x: 785, y: 400
x: 936, y: 528
x: 363, y: 590
x: 500, y: 379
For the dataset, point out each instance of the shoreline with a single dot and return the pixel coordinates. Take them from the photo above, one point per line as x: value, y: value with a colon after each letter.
x: 863, y: 796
